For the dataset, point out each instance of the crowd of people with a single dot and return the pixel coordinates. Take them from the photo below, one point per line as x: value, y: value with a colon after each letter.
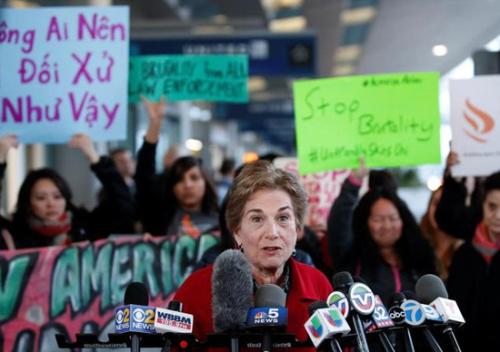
x: 261, y: 212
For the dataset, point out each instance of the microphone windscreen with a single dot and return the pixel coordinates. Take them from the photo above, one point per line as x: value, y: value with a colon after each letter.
x: 175, y: 305
x: 136, y: 293
x: 396, y: 299
x: 232, y: 290
x: 315, y: 306
x: 429, y: 287
x: 270, y: 295
x: 342, y: 281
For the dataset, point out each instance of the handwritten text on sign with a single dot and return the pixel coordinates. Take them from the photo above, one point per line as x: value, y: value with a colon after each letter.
x: 189, y: 77
x: 391, y: 119
x: 65, y: 70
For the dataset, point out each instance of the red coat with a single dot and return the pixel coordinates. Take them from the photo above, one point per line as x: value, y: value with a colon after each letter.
x: 307, y: 285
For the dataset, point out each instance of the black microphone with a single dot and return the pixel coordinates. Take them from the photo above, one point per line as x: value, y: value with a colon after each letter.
x: 270, y: 299
x: 232, y: 291
x: 362, y: 302
x: 430, y: 290
x: 136, y: 293
x: 398, y: 315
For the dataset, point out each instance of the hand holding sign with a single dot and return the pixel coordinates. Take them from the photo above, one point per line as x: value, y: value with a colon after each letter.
x: 6, y: 143
x: 156, y: 113
x: 362, y: 171
x: 84, y: 143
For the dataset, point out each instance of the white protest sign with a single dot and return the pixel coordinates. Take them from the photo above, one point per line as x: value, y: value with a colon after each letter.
x: 475, y: 124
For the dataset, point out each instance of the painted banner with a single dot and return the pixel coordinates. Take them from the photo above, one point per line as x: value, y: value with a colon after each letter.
x: 69, y: 290
x: 322, y: 189
x: 64, y: 70
x: 475, y: 125
x: 391, y: 119
x: 189, y: 77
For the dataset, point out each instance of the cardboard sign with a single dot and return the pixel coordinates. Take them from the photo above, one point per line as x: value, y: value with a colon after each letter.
x: 391, y: 119
x: 64, y: 70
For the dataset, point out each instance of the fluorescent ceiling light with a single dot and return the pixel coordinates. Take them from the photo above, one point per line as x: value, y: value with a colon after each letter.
x: 296, y: 23
x: 194, y: 145
x: 439, y: 50
x: 358, y: 15
x: 347, y: 53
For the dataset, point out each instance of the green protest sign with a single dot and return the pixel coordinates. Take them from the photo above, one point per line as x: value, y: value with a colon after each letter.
x: 189, y: 77
x: 391, y: 119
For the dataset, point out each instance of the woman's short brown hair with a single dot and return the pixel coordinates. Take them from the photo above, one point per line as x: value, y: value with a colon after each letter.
x: 261, y: 175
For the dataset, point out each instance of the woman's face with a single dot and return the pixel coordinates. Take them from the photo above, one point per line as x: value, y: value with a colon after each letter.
x: 384, y: 223
x: 491, y: 213
x: 190, y: 189
x: 268, y: 230
x: 46, y: 200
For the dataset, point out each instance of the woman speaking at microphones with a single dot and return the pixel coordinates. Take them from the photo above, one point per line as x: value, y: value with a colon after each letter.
x: 265, y: 213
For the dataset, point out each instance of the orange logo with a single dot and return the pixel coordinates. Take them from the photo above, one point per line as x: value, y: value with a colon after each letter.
x: 480, y: 122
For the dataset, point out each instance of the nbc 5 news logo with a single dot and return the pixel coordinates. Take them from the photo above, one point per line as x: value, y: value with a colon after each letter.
x: 414, y: 313
x: 362, y: 298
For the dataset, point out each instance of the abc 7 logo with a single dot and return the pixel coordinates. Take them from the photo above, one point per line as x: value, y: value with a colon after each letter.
x: 120, y: 315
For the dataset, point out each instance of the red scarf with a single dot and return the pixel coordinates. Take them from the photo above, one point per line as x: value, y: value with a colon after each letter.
x: 51, y: 228
x: 484, y: 244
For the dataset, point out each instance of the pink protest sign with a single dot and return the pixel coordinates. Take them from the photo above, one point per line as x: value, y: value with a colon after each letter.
x: 64, y: 70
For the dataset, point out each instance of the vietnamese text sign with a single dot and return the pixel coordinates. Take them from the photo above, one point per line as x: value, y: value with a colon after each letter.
x: 322, y: 189
x: 391, y: 119
x: 64, y: 70
x: 189, y: 77
x: 75, y: 289
x: 475, y: 124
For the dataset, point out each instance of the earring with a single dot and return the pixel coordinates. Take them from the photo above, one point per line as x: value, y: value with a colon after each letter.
x: 240, y: 247
x: 294, y: 252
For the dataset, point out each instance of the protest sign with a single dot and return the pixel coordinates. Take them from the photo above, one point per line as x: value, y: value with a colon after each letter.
x: 322, y: 189
x: 391, y: 119
x: 64, y: 70
x: 475, y: 125
x: 75, y: 289
x: 189, y: 77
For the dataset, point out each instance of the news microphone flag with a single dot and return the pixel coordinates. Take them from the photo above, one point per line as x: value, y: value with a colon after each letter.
x: 431, y: 314
x: 167, y: 320
x: 325, y: 323
x: 135, y: 318
x: 267, y: 316
x: 448, y: 310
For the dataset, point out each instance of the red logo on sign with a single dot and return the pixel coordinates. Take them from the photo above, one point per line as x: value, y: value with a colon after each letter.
x: 480, y: 123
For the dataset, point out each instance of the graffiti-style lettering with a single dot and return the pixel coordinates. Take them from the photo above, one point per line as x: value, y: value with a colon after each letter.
x: 184, y: 253
x: 120, y: 272
x: 65, y: 283
x: 96, y: 276
x: 143, y: 267
x: 14, y: 275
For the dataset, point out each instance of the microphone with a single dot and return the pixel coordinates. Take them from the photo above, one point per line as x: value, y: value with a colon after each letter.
x: 232, y: 291
x: 172, y: 320
x: 135, y: 316
x: 324, y: 323
x: 431, y: 290
x: 362, y: 302
x: 398, y: 316
x: 269, y: 313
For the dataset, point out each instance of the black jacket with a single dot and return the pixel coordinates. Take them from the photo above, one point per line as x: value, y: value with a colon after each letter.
x: 472, y: 282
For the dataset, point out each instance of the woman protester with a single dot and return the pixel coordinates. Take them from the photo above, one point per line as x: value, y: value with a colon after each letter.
x: 45, y: 214
x: 377, y: 238
x: 265, y: 213
x: 474, y: 276
x: 182, y: 201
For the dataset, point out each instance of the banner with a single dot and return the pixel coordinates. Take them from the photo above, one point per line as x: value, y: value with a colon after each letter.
x: 64, y: 70
x: 189, y: 77
x: 69, y: 290
x: 475, y: 125
x: 322, y: 189
x: 391, y: 119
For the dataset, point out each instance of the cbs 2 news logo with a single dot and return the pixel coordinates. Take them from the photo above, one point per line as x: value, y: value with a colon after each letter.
x: 139, y: 315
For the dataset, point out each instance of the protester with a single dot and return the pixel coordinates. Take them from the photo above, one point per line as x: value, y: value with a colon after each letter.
x: 45, y: 215
x: 474, y: 276
x: 184, y: 201
x: 226, y: 178
x: 377, y: 238
x: 265, y: 212
x: 443, y: 244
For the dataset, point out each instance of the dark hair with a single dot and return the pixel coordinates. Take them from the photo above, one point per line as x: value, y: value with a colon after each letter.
x: 382, y: 179
x: 23, y: 209
x: 227, y: 166
x: 413, y: 250
x: 119, y: 150
x: 492, y: 183
x: 175, y: 174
